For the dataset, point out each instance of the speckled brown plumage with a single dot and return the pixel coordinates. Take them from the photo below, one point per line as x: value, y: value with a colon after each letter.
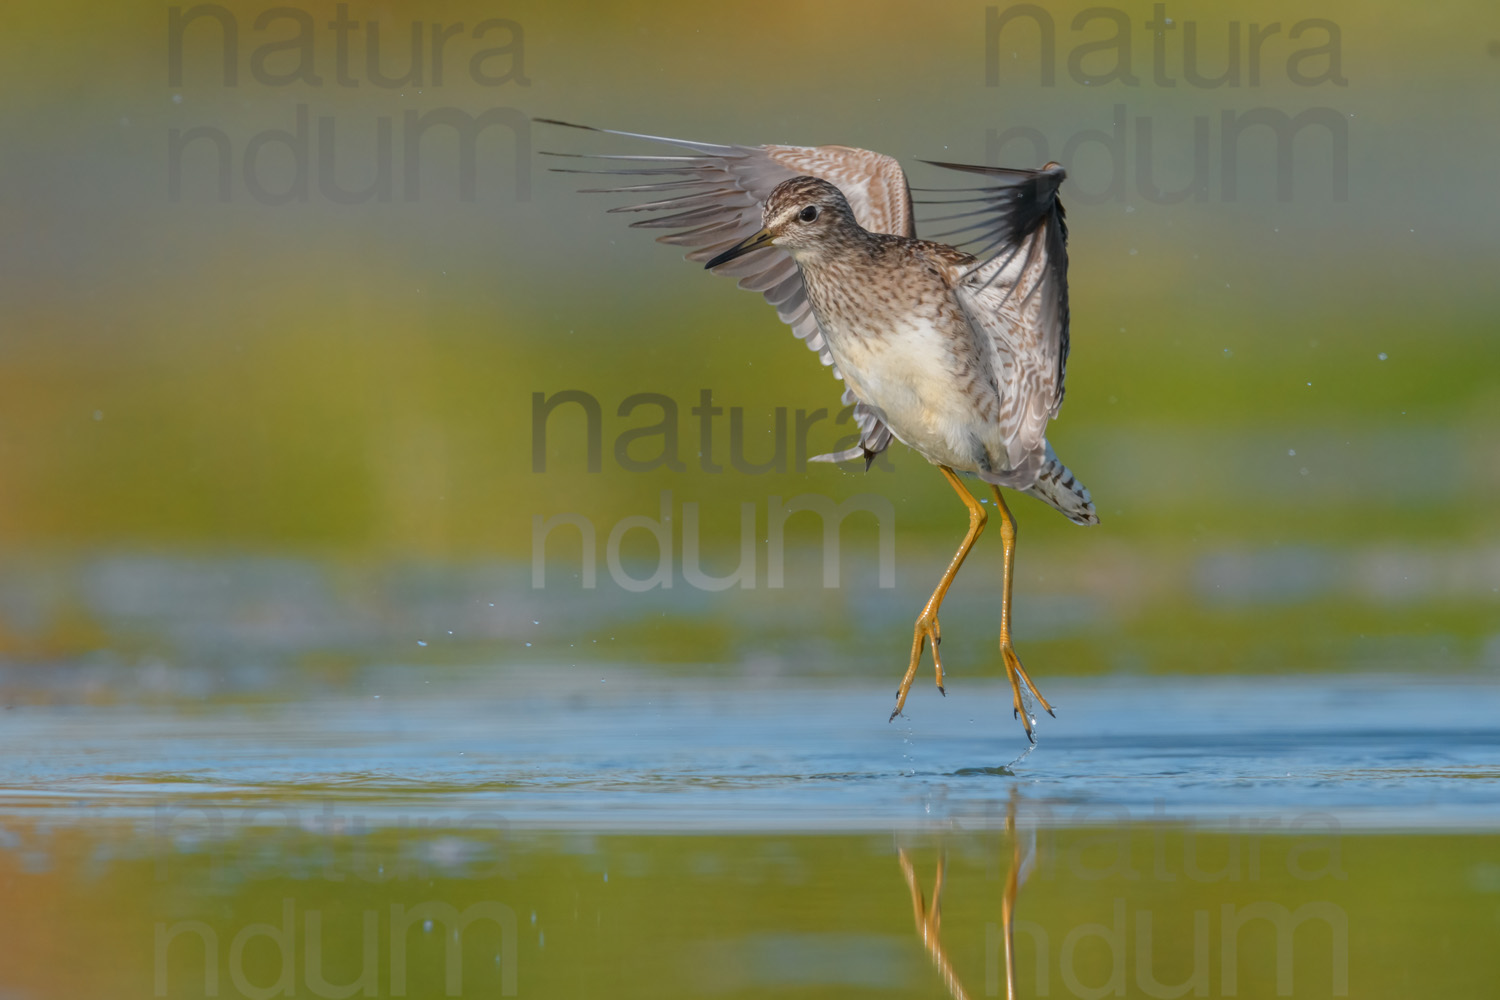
x: 961, y: 356
x: 1013, y: 294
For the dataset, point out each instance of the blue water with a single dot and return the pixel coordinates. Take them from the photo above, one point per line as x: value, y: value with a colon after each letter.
x: 617, y: 749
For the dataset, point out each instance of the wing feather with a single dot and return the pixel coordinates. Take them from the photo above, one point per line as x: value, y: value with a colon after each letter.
x: 1016, y: 297
x: 716, y: 201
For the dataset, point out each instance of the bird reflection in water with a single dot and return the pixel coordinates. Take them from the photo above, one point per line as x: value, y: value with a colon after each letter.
x: 929, y: 918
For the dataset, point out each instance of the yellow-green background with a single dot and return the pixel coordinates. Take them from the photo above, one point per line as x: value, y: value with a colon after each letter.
x: 284, y: 443
x: 348, y: 388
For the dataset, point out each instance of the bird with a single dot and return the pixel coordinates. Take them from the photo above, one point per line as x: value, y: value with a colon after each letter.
x: 961, y: 356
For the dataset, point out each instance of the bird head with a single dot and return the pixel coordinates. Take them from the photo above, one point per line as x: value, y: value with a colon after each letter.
x: 802, y: 215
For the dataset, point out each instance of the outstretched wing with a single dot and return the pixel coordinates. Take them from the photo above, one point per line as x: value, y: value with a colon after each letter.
x: 1016, y: 295
x: 713, y: 197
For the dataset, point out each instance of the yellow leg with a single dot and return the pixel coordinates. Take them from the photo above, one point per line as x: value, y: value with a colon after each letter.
x: 927, y: 622
x: 1008, y: 901
x: 929, y: 921
x: 1013, y: 669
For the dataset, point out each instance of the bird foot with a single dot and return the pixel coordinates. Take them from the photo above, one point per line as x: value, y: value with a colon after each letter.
x: 927, y: 629
x: 1016, y: 674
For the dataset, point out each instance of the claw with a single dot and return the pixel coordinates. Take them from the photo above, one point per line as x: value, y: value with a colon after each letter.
x: 927, y: 629
x: 1016, y: 673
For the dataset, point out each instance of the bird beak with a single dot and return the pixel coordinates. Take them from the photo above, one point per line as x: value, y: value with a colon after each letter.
x: 760, y: 239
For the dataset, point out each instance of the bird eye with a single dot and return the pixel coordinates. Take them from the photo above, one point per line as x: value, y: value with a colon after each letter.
x: 808, y: 214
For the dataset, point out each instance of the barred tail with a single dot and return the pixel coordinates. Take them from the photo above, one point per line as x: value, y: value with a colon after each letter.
x: 1057, y: 487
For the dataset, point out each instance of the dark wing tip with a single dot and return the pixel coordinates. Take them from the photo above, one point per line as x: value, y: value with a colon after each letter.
x: 555, y: 121
x: 1033, y: 195
x: 1052, y: 170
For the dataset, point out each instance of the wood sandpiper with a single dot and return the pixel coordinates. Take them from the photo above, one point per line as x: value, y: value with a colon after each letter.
x: 960, y: 356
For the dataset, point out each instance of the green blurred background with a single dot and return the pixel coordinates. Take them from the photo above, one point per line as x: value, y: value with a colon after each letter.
x: 270, y: 439
x: 300, y: 435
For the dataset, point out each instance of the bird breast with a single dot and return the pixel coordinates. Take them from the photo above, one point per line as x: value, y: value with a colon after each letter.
x: 905, y: 348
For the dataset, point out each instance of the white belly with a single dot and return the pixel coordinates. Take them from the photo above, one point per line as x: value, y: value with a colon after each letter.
x: 909, y: 374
